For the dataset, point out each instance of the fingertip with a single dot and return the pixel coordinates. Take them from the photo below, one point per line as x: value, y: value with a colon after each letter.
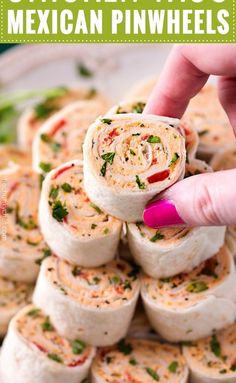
x: 162, y: 213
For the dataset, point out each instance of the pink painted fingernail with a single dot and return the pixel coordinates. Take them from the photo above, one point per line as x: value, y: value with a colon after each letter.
x: 162, y: 213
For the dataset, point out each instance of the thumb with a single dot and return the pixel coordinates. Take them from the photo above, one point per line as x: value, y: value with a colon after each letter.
x: 202, y: 200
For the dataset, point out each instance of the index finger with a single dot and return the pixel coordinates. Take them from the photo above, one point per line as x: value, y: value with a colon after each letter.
x: 178, y: 83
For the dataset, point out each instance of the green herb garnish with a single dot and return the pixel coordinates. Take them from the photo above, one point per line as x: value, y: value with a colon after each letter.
x: 27, y: 225
x: 174, y: 159
x: 84, y: 71
x: 54, y: 192
x: 34, y: 312
x: 41, y: 179
x: 46, y: 325
x: 109, y: 359
x: 197, y: 287
x: 8, y: 119
x: 109, y: 157
x: 125, y: 348
x: 67, y: 187
x: 93, y: 226
x: 138, y: 108
x: 132, y: 152
x: 140, y: 184
x: 153, y: 139
x: 92, y: 93
x: 210, y: 273
x: 46, y: 167
x: 76, y: 271
x: 55, y: 146
x: 203, y: 132
x: 215, y: 346
x: 133, y: 362
x: 107, y: 121
x: 95, y: 207
x: 115, y: 280
x: 96, y: 280
x: 127, y: 285
x: 45, y: 138
x: 157, y: 237
x: 9, y: 113
x: 43, y: 110
x: 223, y: 371
x: 55, y: 357
x: 78, y: 346
x: 59, y: 211
x: 134, y: 272
x: 103, y: 169
x: 153, y: 374
x: 31, y: 243
x: 46, y: 254
x: 173, y: 366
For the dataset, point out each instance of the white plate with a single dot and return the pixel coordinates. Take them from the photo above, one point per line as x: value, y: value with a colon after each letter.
x: 116, y: 66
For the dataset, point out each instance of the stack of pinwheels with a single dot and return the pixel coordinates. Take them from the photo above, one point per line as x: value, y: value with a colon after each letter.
x: 115, y: 301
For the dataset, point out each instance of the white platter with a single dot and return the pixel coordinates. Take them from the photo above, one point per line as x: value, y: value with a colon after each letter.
x: 116, y: 66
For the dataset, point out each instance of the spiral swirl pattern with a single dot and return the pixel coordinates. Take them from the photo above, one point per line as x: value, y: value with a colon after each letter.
x: 128, y: 159
x: 144, y: 361
x: 185, y: 290
x: 111, y: 285
x: 35, y: 327
x: 61, y: 138
x: 214, y: 357
x: 19, y: 210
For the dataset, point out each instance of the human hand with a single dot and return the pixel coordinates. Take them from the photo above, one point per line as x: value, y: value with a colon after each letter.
x: 206, y: 199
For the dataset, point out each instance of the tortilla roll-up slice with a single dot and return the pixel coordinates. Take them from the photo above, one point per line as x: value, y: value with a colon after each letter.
x: 128, y: 159
x: 211, y: 122
x: 34, y: 352
x: 138, y: 105
x: 74, y: 228
x: 32, y: 119
x: 13, y: 297
x: 21, y: 243
x: 141, y: 89
x: 191, y: 306
x: 230, y: 239
x: 10, y: 156
x: 169, y: 251
x: 207, y: 98
x: 214, y: 136
x: 130, y: 106
x: 225, y: 159
x: 195, y: 167
x: 99, y: 303
x: 139, y: 361
x: 213, y: 359
x: 61, y: 137
x: 191, y: 138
